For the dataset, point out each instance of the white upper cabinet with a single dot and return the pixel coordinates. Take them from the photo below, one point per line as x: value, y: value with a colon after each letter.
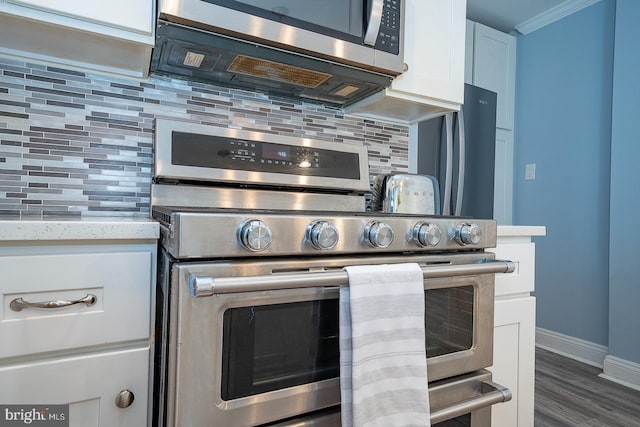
x: 133, y: 15
x: 494, y: 68
x: 114, y: 37
x: 433, y: 84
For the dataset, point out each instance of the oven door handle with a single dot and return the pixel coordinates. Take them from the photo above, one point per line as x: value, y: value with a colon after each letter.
x: 492, y: 393
x: 202, y: 286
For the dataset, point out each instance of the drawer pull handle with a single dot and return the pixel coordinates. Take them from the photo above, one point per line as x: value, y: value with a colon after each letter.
x: 18, y: 304
x: 124, y: 399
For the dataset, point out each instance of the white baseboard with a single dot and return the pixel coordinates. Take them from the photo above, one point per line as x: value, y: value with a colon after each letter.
x: 622, y: 372
x: 574, y: 348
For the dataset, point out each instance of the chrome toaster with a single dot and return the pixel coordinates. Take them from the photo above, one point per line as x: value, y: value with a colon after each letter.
x: 406, y: 193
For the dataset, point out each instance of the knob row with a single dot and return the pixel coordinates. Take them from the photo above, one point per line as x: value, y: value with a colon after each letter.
x: 255, y: 235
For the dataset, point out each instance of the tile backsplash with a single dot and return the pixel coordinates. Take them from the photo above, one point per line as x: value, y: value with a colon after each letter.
x: 76, y: 143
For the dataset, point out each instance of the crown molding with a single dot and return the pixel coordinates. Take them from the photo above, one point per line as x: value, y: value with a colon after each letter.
x: 552, y: 15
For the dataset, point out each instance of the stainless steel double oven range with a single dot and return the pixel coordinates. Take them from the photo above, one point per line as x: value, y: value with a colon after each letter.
x: 256, y: 230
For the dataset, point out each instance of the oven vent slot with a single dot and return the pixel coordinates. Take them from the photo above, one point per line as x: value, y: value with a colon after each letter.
x: 162, y: 217
x: 305, y: 270
x: 428, y: 263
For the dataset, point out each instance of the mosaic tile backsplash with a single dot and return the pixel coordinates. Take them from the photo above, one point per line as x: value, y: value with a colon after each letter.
x: 75, y: 143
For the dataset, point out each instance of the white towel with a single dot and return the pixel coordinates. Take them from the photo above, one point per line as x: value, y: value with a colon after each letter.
x: 383, y: 361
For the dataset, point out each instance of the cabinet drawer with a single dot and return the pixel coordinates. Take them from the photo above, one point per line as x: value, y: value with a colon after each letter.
x: 88, y: 384
x: 120, y: 282
x: 522, y: 280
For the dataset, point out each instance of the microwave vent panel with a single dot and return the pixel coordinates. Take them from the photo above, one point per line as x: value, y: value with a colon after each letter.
x: 271, y: 70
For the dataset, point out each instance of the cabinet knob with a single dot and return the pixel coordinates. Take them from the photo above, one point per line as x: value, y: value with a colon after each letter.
x: 124, y: 399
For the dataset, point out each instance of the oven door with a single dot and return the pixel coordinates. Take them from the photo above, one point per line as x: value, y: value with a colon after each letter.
x: 256, y: 356
x: 463, y: 401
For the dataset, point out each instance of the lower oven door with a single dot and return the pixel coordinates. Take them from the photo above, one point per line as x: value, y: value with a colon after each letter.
x: 463, y: 401
x: 258, y: 356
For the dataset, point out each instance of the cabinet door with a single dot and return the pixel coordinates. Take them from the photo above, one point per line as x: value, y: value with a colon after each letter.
x: 88, y: 384
x: 434, y: 50
x: 494, y: 68
x: 468, y: 53
x: 503, y: 184
x: 514, y: 361
x: 132, y: 15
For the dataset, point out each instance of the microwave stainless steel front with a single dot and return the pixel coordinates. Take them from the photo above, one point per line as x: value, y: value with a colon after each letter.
x: 334, y: 51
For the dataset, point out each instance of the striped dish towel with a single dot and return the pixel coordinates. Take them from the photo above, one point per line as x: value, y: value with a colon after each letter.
x: 383, y: 361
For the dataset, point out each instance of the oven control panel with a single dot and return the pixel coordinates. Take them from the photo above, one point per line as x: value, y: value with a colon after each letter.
x: 256, y: 233
x: 213, y: 155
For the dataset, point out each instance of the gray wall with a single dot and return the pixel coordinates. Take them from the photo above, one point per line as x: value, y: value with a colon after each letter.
x: 74, y: 143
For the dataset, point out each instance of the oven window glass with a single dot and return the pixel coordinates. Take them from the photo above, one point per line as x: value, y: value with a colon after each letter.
x: 270, y: 347
x: 449, y: 320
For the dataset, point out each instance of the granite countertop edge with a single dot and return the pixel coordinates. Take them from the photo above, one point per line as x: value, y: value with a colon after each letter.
x: 78, y: 228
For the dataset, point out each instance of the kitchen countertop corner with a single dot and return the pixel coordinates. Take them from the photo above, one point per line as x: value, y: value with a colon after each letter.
x: 78, y: 228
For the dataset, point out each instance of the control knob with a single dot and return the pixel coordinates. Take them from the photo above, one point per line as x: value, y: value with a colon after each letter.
x: 426, y: 234
x: 468, y: 234
x: 378, y: 234
x: 322, y: 235
x: 254, y: 235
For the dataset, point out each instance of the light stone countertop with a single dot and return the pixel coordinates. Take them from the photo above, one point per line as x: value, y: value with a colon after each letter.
x: 78, y: 228
x: 117, y: 228
x: 521, y: 230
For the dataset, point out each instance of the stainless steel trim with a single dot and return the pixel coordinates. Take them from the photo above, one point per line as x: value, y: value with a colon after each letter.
x: 446, y: 204
x: 373, y: 23
x: 192, y: 196
x: 462, y: 157
x: 203, y: 286
x: 18, y: 304
x: 492, y: 393
x: 193, y: 234
x: 165, y: 169
x: 207, y: 16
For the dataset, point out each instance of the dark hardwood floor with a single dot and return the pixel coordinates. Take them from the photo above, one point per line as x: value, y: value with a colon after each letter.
x: 570, y: 393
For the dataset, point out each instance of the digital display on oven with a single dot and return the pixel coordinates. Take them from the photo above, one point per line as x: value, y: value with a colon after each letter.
x: 276, y: 152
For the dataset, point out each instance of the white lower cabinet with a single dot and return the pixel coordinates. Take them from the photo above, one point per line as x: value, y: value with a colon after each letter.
x: 514, y: 361
x: 75, y: 328
x: 515, y: 325
x: 89, y: 384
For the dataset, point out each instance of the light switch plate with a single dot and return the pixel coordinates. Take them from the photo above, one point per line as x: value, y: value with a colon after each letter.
x: 530, y: 171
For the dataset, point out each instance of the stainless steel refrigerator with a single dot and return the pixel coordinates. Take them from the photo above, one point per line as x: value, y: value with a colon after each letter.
x: 459, y: 149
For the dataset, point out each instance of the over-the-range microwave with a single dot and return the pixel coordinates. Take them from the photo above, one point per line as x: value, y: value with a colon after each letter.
x: 334, y: 51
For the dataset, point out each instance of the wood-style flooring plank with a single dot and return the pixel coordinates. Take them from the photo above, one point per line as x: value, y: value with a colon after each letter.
x: 570, y: 394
